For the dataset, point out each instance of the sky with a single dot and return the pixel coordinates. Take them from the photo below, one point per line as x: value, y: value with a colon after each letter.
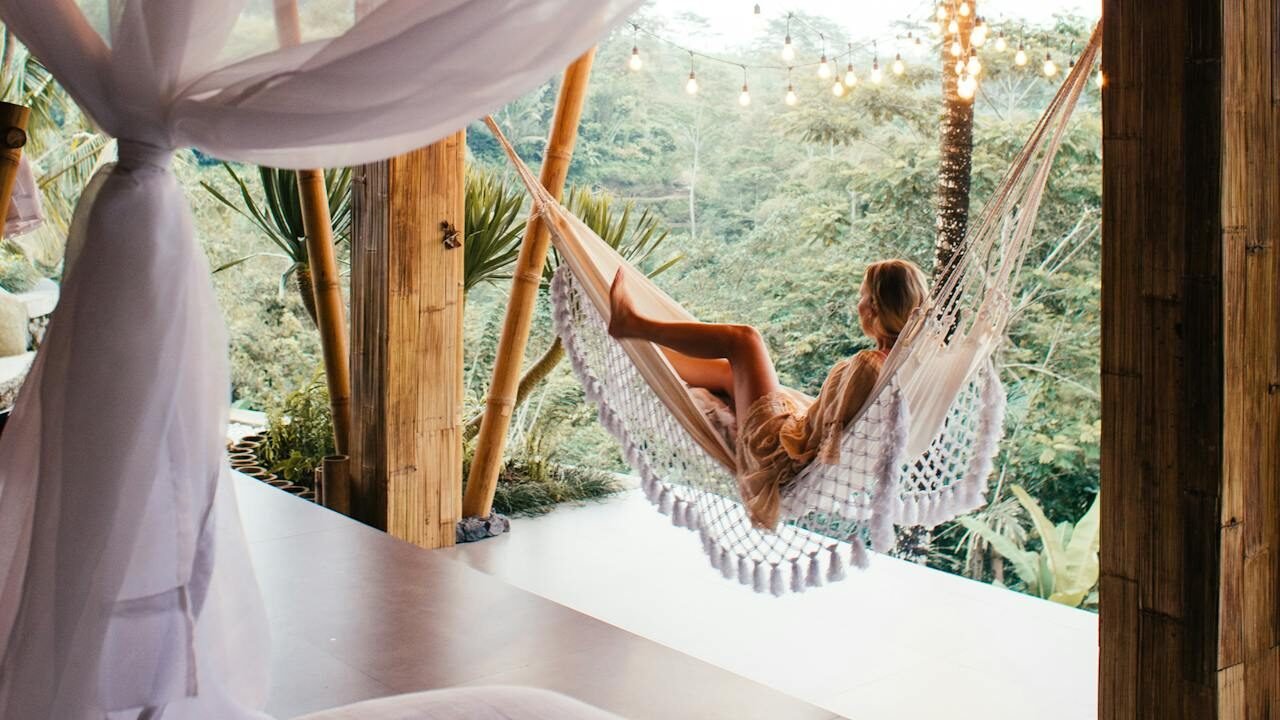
x: 864, y: 19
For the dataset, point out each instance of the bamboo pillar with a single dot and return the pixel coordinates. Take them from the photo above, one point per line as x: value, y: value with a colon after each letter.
x: 406, y: 284
x: 326, y: 283
x: 491, y: 441
x: 330, y: 314
x: 13, y: 137
x: 1190, y: 555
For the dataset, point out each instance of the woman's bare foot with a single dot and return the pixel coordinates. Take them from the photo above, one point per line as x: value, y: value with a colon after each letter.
x: 621, y: 313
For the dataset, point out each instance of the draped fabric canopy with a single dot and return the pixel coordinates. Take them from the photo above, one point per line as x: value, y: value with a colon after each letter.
x: 124, y: 580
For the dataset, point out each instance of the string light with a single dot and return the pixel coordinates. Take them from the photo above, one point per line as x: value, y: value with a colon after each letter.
x: 935, y: 27
x: 1050, y: 69
x: 942, y: 12
x: 850, y: 77
x: 919, y: 42
x: 1001, y: 45
x: 635, y: 63
x: 757, y: 18
x: 898, y: 66
x: 744, y: 99
x: 965, y: 87
x: 691, y: 86
x: 1020, y: 58
x: 1098, y: 79
x: 956, y: 48
x: 978, y: 35
x: 824, y: 68
x: 975, y: 66
x: 790, y: 98
x: 837, y: 88
x: 964, y: 9
x: 876, y: 75
x: 959, y: 67
x: 953, y: 27
x: 788, y: 52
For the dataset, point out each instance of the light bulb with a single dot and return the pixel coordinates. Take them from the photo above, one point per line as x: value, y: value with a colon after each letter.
x: 956, y: 49
x: 942, y: 12
x: 837, y: 89
x: 899, y: 67
x: 744, y: 99
x: 959, y: 67
x: 635, y: 63
x: 966, y: 87
x: 935, y: 27
x: 788, y: 52
x: 824, y: 69
x: 757, y: 18
x: 691, y: 86
x: 1001, y: 45
x: 953, y: 27
x: 1020, y: 58
x: 975, y: 66
x: 979, y: 35
x: 1098, y: 79
x: 791, y: 98
x: 964, y: 9
x: 876, y: 75
x: 1050, y: 69
x: 850, y: 77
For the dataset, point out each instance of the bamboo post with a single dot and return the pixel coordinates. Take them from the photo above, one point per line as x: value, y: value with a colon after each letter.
x: 330, y: 313
x: 326, y: 284
x: 13, y: 137
x: 483, y: 480
x: 335, y: 485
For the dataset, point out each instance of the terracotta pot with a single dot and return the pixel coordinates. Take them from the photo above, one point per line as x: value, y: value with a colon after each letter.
x: 308, y: 495
x: 252, y: 440
x: 278, y: 482
x: 242, y: 459
x: 294, y: 489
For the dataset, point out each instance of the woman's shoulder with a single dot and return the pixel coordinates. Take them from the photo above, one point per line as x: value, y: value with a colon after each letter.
x: 860, y: 362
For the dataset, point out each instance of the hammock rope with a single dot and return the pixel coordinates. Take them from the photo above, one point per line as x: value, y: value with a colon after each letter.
x: 918, y: 454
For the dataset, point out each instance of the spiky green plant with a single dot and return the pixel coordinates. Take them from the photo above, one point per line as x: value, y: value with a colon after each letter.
x: 278, y: 214
x: 493, y: 231
x: 1065, y: 568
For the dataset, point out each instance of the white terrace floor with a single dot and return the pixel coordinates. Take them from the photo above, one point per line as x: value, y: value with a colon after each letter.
x: 894, y: 642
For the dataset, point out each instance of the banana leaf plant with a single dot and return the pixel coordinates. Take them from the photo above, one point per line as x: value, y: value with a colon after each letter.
x: 1065, y: 568
x: 278, y: 214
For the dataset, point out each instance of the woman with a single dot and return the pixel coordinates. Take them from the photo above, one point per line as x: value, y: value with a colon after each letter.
x: 778, y: 432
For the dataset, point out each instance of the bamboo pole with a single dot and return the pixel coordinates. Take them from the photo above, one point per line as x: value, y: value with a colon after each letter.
x: 13, y: 137
x: 483, y: 479
x: 330, y: 313
x: 326, y: 285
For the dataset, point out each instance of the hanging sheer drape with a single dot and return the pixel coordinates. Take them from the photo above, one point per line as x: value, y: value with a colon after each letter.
x: 124, y: 581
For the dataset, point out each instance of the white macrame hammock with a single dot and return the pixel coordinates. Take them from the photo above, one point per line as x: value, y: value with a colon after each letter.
x: 919, y: 453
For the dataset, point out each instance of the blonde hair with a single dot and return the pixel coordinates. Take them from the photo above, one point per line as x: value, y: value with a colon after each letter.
x: 896, y: 287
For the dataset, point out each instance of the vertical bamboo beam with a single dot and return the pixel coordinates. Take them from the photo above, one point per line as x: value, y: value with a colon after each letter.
x: 330, y: 313
x: 491, y: 441
x: 1190, y: 616
x: 407, y: 277
x: 326, y: 283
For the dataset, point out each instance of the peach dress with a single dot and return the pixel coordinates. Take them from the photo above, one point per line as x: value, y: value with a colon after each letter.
x: 784, y: 432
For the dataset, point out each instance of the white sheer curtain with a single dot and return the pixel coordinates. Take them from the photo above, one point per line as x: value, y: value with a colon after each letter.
x: 124, y: 581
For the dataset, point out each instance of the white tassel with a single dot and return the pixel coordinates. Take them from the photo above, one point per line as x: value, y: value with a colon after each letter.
x: 713, y: 553
x: 727, y: 567
x: 861, y: 558
x: 797, y: 576
x: 776, y: 585
x: 746, y: 572
x: 836, y: 571
x: 677, y: 513
x: 761, y: 577
x: 814, y: 578
x: 665, y: 501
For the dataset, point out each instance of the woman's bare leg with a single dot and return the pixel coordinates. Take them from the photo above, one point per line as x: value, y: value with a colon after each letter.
x: 751, y: 370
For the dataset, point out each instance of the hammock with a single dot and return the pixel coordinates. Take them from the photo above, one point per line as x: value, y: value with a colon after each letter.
x: 918, y: 454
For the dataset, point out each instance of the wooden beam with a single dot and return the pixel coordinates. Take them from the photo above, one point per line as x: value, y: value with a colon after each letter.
x: 491, y: 441
x: 407, y: 274
x: 1191, y: 381
x: 13, y: 137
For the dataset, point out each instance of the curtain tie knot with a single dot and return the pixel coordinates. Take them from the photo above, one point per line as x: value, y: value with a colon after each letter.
x: 138, y: 154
